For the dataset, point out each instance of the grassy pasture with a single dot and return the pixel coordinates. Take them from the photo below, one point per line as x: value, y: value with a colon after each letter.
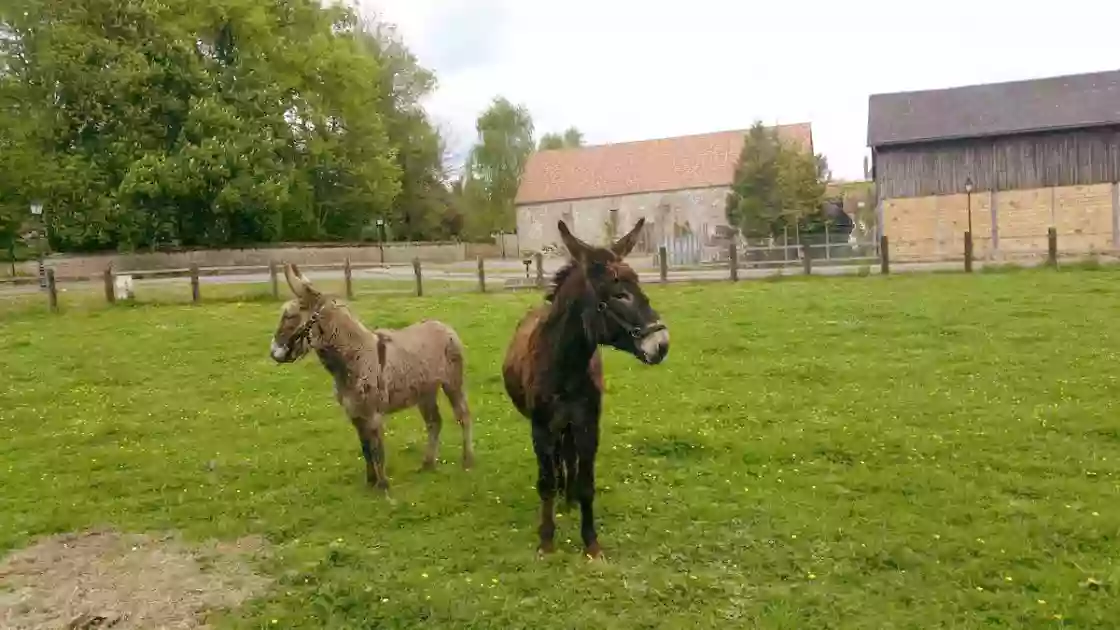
x: 922, y: 451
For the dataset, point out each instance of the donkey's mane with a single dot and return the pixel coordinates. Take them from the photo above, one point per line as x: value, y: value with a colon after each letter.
x: 558, y: 280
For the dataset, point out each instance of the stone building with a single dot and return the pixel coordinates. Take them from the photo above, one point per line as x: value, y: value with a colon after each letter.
x: 1038, y: 154
x: 679, y: 185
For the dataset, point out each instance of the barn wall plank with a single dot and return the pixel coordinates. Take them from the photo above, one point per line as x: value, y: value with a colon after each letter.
x: 1085, y: 158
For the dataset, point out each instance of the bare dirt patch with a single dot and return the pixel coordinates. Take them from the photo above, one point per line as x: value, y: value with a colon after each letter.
x: 105, y: 579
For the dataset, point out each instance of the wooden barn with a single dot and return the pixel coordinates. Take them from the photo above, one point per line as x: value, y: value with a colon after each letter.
x: 1035, y: 154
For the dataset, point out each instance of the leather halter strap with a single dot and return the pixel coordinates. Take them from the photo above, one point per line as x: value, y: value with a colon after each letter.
x: 637, y: 332
x: 304, y: 331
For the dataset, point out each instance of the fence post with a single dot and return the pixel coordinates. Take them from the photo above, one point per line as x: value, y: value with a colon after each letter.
x: 347, y: 274
x: 663, y: 263
x: 539, y: 258
x: 273, y: 278
x: 968, y: 252
x: 419, y: 277
x: 52, y: 291
x: 482, y: 273
x: 196, y: 295
x: 110, y: 293
x: 733, y: 257
x: 884, y: 255
x: 806, y: 260
x: 1052, y: 246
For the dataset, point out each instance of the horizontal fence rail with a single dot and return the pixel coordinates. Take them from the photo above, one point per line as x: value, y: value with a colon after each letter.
x: 672, y: 262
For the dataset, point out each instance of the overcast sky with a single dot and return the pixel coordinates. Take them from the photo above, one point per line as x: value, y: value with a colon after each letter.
x: 636, y: 69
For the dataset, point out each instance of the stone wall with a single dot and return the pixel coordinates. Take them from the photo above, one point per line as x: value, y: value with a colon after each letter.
x: 1005, y: 223
x: 697, y: 210
x: 68, y: 266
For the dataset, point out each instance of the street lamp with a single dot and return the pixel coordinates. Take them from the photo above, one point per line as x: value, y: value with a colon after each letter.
x: 381, y: 238
x: 968, y: 234
x: 37, y: 212
x: 968, y: 191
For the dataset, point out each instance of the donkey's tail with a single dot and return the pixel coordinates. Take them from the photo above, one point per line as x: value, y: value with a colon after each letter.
x: 454, y: 352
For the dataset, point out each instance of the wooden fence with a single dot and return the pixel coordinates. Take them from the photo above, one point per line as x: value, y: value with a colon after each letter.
x: 804, y: 259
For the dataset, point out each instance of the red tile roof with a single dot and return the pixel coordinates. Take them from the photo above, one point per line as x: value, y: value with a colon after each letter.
x: 627, y: 168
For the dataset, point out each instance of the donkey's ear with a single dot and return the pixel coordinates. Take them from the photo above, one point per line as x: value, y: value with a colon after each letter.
x: 298, y: 283
x: 577, y: 248
x: 626, y: 244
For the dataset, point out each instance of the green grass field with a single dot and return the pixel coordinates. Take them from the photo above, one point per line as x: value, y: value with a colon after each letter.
x: 922, y: 451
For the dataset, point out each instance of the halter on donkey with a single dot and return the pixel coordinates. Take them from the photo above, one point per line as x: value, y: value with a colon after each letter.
x: 376, y: 373
x: 553, y: 370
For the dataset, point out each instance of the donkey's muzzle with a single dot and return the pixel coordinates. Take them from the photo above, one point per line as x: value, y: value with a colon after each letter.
x: 280, y: 353
x: 654, y: 345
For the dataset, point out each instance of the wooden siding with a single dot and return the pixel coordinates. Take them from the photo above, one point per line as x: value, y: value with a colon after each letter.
x: 1007, y: 163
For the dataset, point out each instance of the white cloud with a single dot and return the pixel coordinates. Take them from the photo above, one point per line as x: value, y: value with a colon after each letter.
x: 631, y: 69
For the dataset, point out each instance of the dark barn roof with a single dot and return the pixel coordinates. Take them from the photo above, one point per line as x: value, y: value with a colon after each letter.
x: 1052, y: 103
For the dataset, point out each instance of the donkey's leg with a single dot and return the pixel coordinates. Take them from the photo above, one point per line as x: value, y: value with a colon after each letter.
x: 429, y: 409
x: 458, y: 397
x: 566, y: 462
x: 373, y: 439
x: 544, y: 445
x: 587, y: 446
x: 367, y: 451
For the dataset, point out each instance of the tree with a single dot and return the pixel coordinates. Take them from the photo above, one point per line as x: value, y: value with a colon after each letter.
x: 207, y: 122
x: 16, y: 162
x: 776, y: 184
x: 495, y: 165
x: 570, y: 139
x: 418, y: 211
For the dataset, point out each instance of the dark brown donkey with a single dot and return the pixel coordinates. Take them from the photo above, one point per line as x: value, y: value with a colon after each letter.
x: 554, y: 373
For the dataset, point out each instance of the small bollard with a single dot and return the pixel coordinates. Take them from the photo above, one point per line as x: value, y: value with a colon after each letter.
x: 52, y: 291
x: 347, y: 274
x: 110, y: 292
x: 196, y: 293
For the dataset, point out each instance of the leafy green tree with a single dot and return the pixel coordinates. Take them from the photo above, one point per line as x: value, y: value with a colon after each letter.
x: 573, y: 138
x: 495, y: 165
x: 776, y: 184
x: 14, y: 168
x: 208, y: 122
x: 418, y: 211
x: 570, y: 139
x: 551, y: 142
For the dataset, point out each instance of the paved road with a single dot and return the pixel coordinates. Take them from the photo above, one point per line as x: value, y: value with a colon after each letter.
x: 500, y: 272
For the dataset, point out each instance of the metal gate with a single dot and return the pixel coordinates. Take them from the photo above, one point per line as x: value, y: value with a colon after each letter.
x: 686, y: 249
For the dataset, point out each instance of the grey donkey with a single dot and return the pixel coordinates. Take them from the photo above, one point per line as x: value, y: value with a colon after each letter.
x: 376, y: 372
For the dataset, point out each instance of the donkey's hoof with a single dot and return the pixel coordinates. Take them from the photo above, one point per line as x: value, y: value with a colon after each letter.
x: 545, y: 549
x: 468, y: 461
x: 594, y: 552
x: 428, y: 466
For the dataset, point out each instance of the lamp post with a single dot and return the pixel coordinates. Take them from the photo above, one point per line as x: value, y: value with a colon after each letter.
x: 968, y: 192
x: 381, y: 238
x: 968, y: 234
x: 37, y: 212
